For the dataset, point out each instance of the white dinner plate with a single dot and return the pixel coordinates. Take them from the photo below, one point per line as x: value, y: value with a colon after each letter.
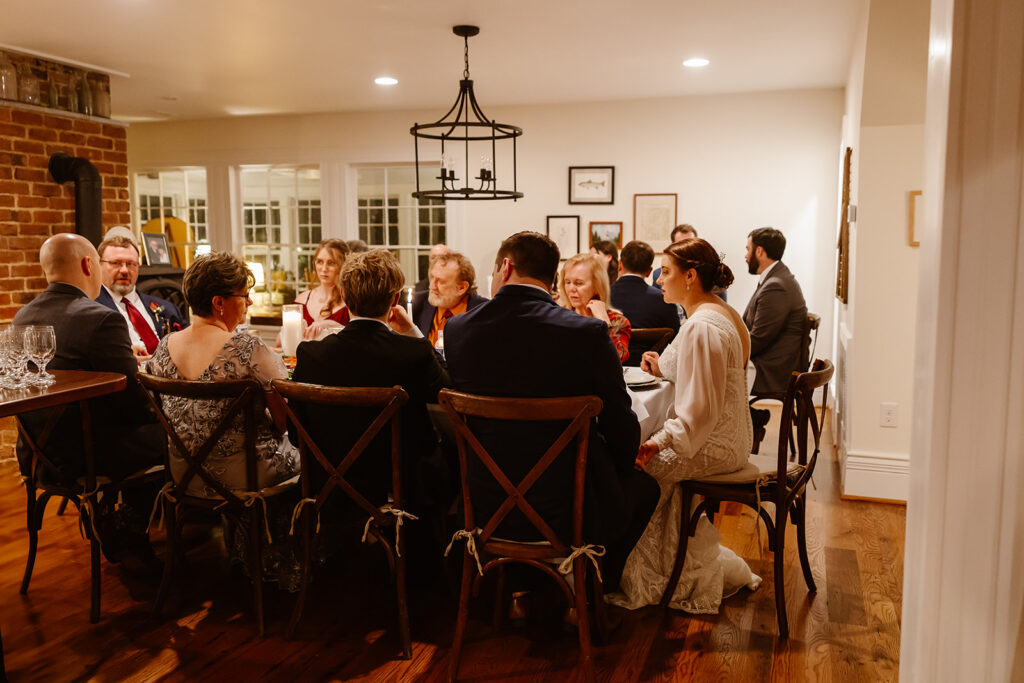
x: 635, y: 377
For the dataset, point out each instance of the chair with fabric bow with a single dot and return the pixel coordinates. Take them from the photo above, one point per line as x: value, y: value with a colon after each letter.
x: 388, y: 401
x: 484, y: 551
x: 46, y: 481
x: 244, y: 399
x: 781, y: 480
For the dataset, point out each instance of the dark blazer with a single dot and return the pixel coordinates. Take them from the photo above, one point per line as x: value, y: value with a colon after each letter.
x: 521, y: 343
x: 93, y: 337
x: 423, y: 311
x: 166, y: 322
x: 775, y: 316
x: 644, y: 306
x: 368, y: 354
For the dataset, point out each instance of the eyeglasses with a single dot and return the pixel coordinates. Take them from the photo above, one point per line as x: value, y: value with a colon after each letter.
x: 130, y: 265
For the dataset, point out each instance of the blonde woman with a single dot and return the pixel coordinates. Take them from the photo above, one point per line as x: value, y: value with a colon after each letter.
x: 583, y: 287
x: 323, y: 307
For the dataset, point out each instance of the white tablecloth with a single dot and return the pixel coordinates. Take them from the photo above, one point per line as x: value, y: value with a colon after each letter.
x: 652, y: 407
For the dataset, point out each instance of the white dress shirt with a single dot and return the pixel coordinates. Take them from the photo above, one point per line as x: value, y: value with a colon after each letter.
x: 134, y: 300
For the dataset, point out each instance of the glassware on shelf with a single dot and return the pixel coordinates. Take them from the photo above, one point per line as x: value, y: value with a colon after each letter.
x: 85, y: 100
x: 101, y: 97
x: 73, y: 93
x: 40, y: 344
x: 53, y: 93
x: 8, y: 80
x: 28, y: 85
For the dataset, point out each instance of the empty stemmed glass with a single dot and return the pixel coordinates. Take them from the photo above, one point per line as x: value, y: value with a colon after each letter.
x: 15, y: 357
x: 40, y: 343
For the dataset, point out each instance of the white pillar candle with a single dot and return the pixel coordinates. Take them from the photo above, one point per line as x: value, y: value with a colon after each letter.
x: 408, y: 301
x: 291, y: 328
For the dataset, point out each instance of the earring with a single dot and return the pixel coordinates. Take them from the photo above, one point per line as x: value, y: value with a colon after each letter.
x: 687, y: 286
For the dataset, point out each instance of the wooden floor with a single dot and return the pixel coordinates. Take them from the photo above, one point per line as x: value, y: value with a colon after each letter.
x: 849, y: 631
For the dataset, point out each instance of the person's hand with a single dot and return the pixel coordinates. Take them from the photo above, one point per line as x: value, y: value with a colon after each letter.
x: 648, y: 449
x: 598, y: 309
x: 400, y: 321
x: 141, y: 354
x: 649, y: 363
x: 318, y: 328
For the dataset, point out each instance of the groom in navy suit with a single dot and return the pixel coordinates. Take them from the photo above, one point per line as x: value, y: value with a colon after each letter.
x: 148, y: 318
x: 522, y: 343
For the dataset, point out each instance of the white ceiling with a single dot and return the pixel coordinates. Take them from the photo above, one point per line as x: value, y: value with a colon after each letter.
x: 213, y: 58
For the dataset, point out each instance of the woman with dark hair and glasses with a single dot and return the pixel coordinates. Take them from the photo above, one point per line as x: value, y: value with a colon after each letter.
x: 216, y: 287
x: 711, y: 434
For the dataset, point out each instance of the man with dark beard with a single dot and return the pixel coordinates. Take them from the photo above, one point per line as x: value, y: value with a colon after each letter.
x: 776, y: 314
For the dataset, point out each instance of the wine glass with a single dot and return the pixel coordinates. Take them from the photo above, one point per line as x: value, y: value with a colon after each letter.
x: 5, y: 382
x: 17, y: 357
x: 40, y: 343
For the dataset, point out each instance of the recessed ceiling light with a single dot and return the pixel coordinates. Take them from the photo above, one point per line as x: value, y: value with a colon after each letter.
x: 696, y: 62
x: 385, y: 80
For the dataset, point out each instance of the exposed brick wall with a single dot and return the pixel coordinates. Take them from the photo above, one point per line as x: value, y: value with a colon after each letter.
x: 33, y: 207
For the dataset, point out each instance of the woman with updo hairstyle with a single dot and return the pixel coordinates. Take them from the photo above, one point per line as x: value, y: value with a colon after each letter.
x: 583, y: 286
x: 211, y: 349
x: 711, y: 434
x: 323, y: 307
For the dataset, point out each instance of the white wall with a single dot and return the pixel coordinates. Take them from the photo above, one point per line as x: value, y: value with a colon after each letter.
x: 736, y: 161
x: 885, y: 127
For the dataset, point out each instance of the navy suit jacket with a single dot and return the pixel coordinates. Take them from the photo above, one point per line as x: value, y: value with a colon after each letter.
x: 423, y: 311
x: 168, y: 321
x: 521, y: 343
x: 89, y: 336
x: 645, y: 307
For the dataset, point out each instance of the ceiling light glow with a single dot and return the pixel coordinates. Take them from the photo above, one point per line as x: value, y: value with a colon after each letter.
x: 386, y: 80
x: 696, y: 62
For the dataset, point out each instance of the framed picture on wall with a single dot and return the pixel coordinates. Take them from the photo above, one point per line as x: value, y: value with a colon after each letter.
x: 564, y: 231
x: 591, y: 184
x: 606, y: 231
x: 654, y: 216
x: 158, y: 252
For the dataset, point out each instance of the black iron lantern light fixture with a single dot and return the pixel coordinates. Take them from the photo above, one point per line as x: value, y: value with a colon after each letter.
x: 465, y: 132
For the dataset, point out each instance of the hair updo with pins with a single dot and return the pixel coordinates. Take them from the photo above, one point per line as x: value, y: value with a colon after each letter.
x: 702, y: 257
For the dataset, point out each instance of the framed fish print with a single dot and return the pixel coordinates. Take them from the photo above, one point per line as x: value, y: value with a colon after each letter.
x: 564, y: 231
x: 591, y: 184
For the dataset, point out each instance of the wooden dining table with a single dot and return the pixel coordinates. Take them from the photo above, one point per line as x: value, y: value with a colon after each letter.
x: 70, y: 386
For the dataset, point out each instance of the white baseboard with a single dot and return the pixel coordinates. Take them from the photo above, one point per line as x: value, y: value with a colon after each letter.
x: 873, y: 474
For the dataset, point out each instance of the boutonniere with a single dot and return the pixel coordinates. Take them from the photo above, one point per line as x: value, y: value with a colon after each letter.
x: 155, y: 308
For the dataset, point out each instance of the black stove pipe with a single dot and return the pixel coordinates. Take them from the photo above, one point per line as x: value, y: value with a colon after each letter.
x: 88, y: 193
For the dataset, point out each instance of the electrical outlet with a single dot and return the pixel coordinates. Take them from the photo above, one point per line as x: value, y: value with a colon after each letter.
x: 888, y: 415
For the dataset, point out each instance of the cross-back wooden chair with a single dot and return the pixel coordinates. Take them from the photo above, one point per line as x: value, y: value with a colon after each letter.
x: 45, y: 481
x: 484, y: 551
x: 389, y: 401
x: 245, y: 398
x: 781, y: 480
x: 653, y: 338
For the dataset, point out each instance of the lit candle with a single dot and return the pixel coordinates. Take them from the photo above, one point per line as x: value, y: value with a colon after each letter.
x: 291, y: 328
x: 408, y: 301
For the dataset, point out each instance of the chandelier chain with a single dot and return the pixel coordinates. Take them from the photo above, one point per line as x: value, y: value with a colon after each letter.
x: 465, y: 73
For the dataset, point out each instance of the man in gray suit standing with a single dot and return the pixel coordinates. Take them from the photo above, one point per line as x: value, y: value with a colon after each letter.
x: 776, y: 314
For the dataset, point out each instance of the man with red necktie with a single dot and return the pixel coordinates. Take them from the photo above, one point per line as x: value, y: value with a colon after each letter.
x: 148, y: 318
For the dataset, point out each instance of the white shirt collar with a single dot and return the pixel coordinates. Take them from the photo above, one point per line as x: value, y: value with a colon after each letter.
x: 636, y: 275
x: 132, y: 296
x: 764, y: 273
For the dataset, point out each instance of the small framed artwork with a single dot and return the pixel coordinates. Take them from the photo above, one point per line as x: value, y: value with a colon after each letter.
x: 591, y: 184
x: 912, y: 236
x: 654, y: 216
x: 604, y: 231
x: 158, y: 252
x: 564, y: 231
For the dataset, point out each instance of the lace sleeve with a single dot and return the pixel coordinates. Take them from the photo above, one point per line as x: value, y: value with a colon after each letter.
x: 247, y: 356
x: 700, y: 380
x: 266, y: 365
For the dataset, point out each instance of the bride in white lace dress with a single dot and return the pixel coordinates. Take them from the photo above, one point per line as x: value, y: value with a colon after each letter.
x: 711, y: 434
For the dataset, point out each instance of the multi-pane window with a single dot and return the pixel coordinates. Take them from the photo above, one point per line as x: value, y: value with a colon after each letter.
x: 389, y: 216
x: 281, y: 226
x: 173, y: 202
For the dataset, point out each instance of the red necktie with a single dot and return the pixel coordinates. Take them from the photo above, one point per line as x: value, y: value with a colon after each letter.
x: 142, y: 327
